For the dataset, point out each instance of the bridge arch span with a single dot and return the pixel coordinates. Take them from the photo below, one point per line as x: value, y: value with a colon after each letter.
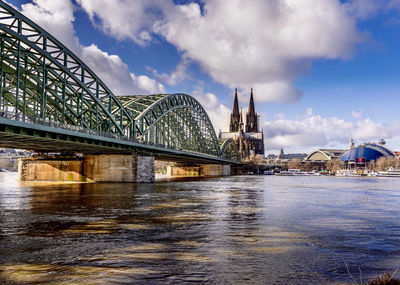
x: 172, y: 120
x: 229, y: 149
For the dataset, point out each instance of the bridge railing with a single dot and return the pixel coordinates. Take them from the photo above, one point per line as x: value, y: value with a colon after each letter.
x: 54, y: 124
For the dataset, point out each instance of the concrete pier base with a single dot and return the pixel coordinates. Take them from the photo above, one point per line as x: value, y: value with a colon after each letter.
x: 215, y: 170
x: 201, y: 170
x: 92, y: 168
x: 51, y: 170
x: 183, y: 171
x: 109, y: 168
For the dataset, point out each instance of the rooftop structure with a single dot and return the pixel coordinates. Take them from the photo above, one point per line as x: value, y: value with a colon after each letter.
x: 290, y: 156
x: 351, y: 145
x: 366, y: 152
x: 325, y: 154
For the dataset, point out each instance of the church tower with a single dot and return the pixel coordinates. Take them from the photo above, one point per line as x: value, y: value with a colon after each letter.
x: 251, y: 116
x: 235, y: 116
x: 249, y: 140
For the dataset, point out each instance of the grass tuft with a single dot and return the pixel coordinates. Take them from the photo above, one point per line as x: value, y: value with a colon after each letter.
x: 385, y: 279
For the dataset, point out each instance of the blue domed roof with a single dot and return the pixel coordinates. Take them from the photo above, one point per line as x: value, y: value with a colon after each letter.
x: 367, y: 151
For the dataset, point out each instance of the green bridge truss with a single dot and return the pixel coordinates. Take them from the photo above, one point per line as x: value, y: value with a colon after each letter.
x: 48, y: 95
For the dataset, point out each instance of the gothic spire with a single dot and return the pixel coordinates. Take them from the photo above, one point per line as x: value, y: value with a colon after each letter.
x: 235, y: 104
x: 252, y: 109
x: 235, y: 116
x: 251, y: 116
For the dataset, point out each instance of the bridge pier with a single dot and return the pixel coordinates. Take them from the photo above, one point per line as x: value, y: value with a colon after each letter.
x: 215, y: 170
x: 91, y: 168
x: 178, y: 170
x: 119, y: 168
x: 51, y: 170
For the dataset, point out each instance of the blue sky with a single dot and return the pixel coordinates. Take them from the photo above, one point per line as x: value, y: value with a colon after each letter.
x: 322, y: 71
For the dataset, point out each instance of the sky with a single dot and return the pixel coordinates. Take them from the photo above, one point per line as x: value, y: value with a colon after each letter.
x: 323, y: 71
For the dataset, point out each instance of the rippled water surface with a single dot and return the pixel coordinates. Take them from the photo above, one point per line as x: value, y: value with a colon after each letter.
x: 231, y: 230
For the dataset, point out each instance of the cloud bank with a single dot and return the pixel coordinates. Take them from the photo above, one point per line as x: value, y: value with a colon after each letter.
x: 260, y: 44
x: 315, y: 131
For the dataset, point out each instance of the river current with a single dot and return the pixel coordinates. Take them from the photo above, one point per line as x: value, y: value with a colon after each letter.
x: 229, y: 230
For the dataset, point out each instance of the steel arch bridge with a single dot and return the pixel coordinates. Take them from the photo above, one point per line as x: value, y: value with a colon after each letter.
x: 229, y: 149
x: 51, y: 101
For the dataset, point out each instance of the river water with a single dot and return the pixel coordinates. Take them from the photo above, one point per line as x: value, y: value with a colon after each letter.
x: 230, y: 230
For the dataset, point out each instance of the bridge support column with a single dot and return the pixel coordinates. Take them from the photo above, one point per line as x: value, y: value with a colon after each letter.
x: 145, y: 169
x: 215, y: 170
x: 178, y: 170
x: 92, y: 168
x: 200, y: 170
x: 54, y: 170
x: 119, y: 168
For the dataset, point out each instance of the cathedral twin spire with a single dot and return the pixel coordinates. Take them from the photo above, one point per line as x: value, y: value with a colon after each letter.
x: 235, y: 116
x: 251, y: 116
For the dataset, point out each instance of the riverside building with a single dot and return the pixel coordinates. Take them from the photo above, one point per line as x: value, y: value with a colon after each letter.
x: 360, y: 156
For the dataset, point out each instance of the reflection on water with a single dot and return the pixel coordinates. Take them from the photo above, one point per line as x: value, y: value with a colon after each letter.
x: 50, y: 274
x: 249, y: 229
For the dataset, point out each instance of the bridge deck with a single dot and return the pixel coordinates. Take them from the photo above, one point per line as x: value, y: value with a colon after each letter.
x: 43, y: 138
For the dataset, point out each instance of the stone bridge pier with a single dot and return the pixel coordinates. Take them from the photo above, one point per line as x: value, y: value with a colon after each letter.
x: 90, y: 168
x: 185, y: 170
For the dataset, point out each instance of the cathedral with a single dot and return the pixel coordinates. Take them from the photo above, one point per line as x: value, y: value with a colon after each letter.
x: 249, y: 139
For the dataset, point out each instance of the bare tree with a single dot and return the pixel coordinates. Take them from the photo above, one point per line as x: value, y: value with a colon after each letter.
x: 306, y: 165
x: 383, y: 163
x: 294, y: 163
x: 334, y: 165
x: 372, y: 165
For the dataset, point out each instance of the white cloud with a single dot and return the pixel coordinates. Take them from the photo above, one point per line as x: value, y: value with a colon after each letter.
x: 173, y: 78
x: 57, y: 18
x: 357, y: 115
x: 115, y: 73
x: 124, y: 19
x: 148, y: 84
x: 280, y: 116
x: 314, y: 132
x: 260, y: 44
x: 264, y: 44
